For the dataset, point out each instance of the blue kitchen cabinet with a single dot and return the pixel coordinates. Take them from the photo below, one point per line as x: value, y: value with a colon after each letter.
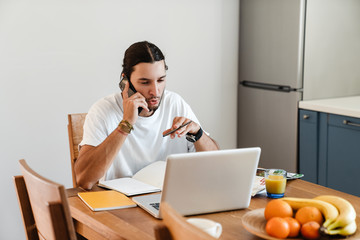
x: 329, y: 150
x: 343, y: 148
x: 308, y: 145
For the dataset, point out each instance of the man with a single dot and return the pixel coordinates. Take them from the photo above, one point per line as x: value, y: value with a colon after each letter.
x: 124, y: 132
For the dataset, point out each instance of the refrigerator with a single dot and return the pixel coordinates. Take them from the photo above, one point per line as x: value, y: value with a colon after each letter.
x: 292, y: 50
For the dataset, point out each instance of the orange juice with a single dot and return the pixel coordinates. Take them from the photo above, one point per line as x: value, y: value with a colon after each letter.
x: 275, y: 184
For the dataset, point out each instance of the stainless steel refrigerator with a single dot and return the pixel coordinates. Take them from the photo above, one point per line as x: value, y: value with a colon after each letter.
x: 286, y: 54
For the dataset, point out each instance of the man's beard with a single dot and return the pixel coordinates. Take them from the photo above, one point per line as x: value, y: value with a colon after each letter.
x: 154, y: 108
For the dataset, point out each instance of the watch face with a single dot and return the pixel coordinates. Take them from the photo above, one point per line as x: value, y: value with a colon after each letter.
x: 125, y: 128
x: 191, y: 138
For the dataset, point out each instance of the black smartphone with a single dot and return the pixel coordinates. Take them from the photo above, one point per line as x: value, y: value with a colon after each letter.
x: 131, y: 90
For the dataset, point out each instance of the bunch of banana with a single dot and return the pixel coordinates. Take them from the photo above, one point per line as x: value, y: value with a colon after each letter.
x: 345, y: 223
x: 339, y: 214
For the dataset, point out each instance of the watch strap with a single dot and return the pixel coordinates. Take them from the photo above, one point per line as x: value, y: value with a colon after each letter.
x: 194, y: 137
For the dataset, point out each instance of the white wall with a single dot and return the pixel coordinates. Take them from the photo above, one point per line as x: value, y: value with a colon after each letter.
x: 58, y: 57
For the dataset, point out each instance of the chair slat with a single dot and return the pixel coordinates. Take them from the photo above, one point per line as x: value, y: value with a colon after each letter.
x: 75, y: 132
x: 25, y: 208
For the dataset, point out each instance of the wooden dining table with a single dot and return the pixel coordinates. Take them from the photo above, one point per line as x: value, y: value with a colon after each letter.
x: 135, y: 223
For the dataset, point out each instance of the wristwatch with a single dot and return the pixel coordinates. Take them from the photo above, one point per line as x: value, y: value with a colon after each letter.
x: 194, y: 137
x: 125, y: 126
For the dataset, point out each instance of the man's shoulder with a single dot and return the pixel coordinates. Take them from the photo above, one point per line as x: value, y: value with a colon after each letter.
x: 171, y: 96
x: 111, y: 101
x: 174, y: 101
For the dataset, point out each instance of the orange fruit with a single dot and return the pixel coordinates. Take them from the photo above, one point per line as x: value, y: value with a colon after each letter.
x: 277, y: 208
x: 307, y: 214
x: 294, y: 226
x: 310, y: 230
x: 277, y: 227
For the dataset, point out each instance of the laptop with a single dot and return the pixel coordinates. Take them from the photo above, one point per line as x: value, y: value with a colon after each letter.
x: 205, y: 182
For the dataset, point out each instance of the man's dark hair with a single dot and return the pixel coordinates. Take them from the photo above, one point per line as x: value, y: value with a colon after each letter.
x: 141, y: 52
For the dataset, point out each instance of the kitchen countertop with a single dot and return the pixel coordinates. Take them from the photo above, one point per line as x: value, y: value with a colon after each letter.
x: 347, y: 106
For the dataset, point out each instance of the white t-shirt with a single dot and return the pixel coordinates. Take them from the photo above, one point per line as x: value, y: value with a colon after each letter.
x: 145, y: 144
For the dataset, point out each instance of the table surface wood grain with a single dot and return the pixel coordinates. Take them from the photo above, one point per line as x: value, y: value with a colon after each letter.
x: 135, y: 223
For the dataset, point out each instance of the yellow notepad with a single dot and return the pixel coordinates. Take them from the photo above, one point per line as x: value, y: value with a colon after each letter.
x: 106, y: 200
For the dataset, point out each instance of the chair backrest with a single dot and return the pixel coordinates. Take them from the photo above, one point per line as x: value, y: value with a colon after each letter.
x: 178, y: 227
x: 25, y: 208
x: 75, y: 131
x: 49, y: 205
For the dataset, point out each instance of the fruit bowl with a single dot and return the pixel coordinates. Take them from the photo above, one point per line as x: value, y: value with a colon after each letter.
x: 254, y: 222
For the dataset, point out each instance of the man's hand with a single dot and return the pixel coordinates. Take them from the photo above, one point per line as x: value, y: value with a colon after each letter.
x: 132, y: 103
x: 177, y: 122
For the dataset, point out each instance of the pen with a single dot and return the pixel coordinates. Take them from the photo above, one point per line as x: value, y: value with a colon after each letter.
x: 164, y: 135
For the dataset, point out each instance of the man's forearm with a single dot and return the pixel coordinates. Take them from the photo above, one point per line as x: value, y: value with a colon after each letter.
x: 206, y: 143
x: 93, y: 162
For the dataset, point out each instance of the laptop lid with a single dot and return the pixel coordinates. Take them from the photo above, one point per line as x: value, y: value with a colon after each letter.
x: 204, y: 182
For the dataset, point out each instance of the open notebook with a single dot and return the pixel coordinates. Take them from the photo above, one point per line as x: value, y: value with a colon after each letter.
x: 147, y: 180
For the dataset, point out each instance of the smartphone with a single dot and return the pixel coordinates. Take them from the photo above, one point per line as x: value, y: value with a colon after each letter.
x: 131, y: 90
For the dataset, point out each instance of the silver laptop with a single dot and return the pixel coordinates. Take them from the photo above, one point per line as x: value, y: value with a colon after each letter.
x: 205, y: 182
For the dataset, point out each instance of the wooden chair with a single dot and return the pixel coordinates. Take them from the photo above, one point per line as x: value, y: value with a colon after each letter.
x: 44, y: 206
x: 75, y: 131
x: 177, y: 228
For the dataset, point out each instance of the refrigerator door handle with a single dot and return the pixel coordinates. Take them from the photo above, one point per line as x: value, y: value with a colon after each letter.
x: 268, y: 86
